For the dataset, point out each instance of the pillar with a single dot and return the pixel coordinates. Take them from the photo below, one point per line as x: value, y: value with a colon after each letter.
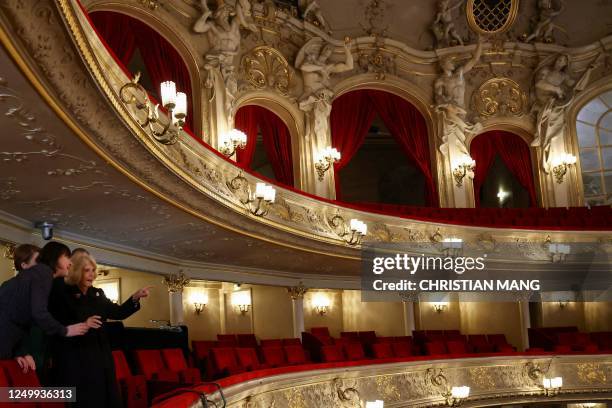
x: 297, y: 303
x: 409, y: 321
x: 525, y: 323
x: 175, y: 284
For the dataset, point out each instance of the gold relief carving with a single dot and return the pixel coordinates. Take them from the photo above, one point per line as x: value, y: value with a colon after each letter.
x: 377, y: 61
x: 297, y: 292
x: 9, y: 250
x: 500, y: 97
x: 482, y: 378
x: 266, y: 67
x: 151, y: 4
x: 387, y: 388
x: 349, y: 395
x: 295, y: 398
x: 591, y: 373
x: 285, y: 211
x: 381, y: 233
x: 176, y: 282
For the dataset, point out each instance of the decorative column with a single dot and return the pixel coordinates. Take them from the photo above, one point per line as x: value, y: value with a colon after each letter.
x: 525, y: 322
x: 409, y: 324
x: 297, y: 302
x: 175, y: 283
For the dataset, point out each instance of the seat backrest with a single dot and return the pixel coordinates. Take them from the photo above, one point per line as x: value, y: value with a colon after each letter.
x: 3, y: 378
x: 402, y: 349
x: 435, y: 348
x: 292, y: 342
x: 247, y: 357
x: 201, y: 348
x: 271, y: 343
x: 274, y: 356
x: 331, y: 354
x: 582, y: 339
x: 149, y: 362
x: 566, y: 338
x: 352, y: 334
x: 247, y: 340
x: 295, y: 354
x: 227, y: 340
x: 320, y: 331
x: 224, y: 358
x: 456, y: 347
x: 497, y: 339
x: 16, y: 377
x: 122, y: 369
x: 478, y: 339
x: 174, y: 359
x: 563, y: 348
x: 382, y: 350
x: 354, y: 351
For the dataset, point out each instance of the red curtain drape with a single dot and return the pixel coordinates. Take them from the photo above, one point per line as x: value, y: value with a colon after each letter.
x: 124, y: 35
x: 513, y: 151
x: 409, y: 129
x: 276, y: 140
x: 351, y: 117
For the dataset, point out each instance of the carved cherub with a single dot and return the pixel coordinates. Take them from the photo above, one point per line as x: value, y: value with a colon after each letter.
x: 545, y: 26
x: 443, y: 26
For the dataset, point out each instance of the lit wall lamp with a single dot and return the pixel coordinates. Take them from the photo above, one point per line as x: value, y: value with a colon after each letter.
x: 375, y: 404
x: 321, y: 304
x: 174, y: 102
x: 563, y: 304
x: 552, y: 386
x: 452, y: 246
x: 257, y: 203
x: 439, y: 307
x: 561, y: 164
x: 558, y: 252
x: 457, y: 395
x: 231, y: 141
x: 325, y: 159
x: 241, y: 300
x: 199, y: 300
x: 463, y: 167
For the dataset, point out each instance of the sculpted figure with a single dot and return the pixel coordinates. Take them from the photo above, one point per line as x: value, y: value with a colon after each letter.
x: 545, y: 26
x: 314, y: 8
x: 449, y: 91
x: 313, y: 61
x: 554, y: 91
x: 223, y: 30
x: 443, y: 26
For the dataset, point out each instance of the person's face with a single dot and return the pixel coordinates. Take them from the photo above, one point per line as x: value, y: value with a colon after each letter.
x: 561, y: 63
x: 30, y: 263
x: 88, y: 276
x: 63, y: 266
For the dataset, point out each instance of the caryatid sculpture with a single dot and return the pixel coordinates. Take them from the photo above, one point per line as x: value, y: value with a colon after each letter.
x: 554, y: 90
x: 313, y: 60
x: 443, y: 26
x: 449, y: 90
x: 223, y: 30
x: 545, y: 26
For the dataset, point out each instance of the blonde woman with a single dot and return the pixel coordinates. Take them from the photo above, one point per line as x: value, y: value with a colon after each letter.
x: 86, y: 362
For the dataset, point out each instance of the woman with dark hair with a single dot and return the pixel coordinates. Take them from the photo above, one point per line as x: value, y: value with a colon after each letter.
x: 25, y: 256
x: 24, y: 301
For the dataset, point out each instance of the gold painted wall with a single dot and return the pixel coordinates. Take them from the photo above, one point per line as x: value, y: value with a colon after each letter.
x: 598, y: 316
x: 272, y: 312
x: 6, y: 266
x: 386, y: 318
x: 206, y: 325
x: 492, y: 318
x: 570, y: 315
x: 333, y: 319
x: 429, y: 319
x: 237, y: 323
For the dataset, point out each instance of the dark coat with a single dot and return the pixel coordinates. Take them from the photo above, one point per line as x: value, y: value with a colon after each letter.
x: 86, y: 362
x: 23, y: 301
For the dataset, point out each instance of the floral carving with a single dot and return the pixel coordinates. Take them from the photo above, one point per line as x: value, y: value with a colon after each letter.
x: 266, y: 67
x: 500, y: 97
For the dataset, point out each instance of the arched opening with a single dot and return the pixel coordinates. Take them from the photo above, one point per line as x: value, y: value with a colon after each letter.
x: 594, y: 132
x: 504, y: 174
x: 142, y: 49
x: 268, y: 150
x: 384, y: 144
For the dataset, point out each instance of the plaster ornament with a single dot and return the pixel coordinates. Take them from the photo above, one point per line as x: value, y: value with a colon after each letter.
x: 313, y: 61
x: 449, y: 91
x: 223, y: 30
x: 443, y: 26
x: 314, y: 9
x: 545, y: 26
x: 555, y: 90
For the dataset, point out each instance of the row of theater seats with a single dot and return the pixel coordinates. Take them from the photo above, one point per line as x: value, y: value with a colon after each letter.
x: 598, y: 217
x: 569, y: 339
x: 12, y: 376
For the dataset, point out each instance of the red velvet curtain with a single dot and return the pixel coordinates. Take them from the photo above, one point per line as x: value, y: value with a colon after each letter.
x: 409, y: 129
x: 124, y: 34
x: 276, y: 140
x: 351, y: 117
x: 513, y: 151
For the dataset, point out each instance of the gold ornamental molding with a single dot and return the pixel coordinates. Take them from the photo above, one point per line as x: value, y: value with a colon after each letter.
x: 176, y: 282
x: 500, y: 97
x: 265, y: 67
x: 486, y: 18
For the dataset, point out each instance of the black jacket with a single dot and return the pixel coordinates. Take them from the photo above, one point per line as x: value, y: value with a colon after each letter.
x: 24, y: 301
x: 86, y: 362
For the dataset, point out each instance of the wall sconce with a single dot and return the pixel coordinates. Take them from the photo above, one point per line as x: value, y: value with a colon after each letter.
x: 231, y: 141
x: 558, y: 252
x: 563, y: 304
x: 353, y: 233
x: 561, y: 164
x: 325, y: 159
x: 257, y: 203
x: 552, y: 386
x: 241, y: 300
x: 439, y: 307
x: 452, y: 246
x: 375, y: 404
x: 199, y: 300
x: 457, y: 395
x: 111, y: 288
x: 321, y: 304
x: 174, y: 102
x: 464, y: 166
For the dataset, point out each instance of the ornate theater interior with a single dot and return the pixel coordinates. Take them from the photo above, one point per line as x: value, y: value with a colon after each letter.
x: 248, y: 161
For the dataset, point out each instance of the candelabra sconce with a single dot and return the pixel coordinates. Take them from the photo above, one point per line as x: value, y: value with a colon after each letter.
x: 325, y: 160
x: 464, y: 167
x: 456, y: 396
x: 241, y: 300
x: 558, y: 252
x: 452, y: 247
x: 243, y: 309
x: 231, y: 141
x: 440, y: 307
x: 552, y: 386
x: 321, y: 304
x: 199, y: 301
x: 174, y: 102
x: 353, y: 233
x: 257, y: 203
x: 560, y: 165
x: 563, y: 304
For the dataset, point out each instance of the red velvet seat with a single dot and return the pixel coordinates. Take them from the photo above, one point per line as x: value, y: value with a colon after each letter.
x: 367, y: 337
x: 332, y: 354
x: 274, y: 356
x: 247, y: 340
x: 15, y: 377
x: 271, y: 343
x: 563, y: 348
x: 479, y: 343
x: 402, y: 349
x: 295, y: 354
x: 247, y: 358
x: 225, y: 362
x: 354, y: 351
x: 133, y: 388
x: 201, y: 352
x: 388, y: 339
x: 151, y: 364
x: 382, y: 350
x: 3, y: 378
x: 352, y: 335
x: 320, y: 332
x: 174, y: 359
x: 292, y: 342
x: 505, y: 348
x: 435, y: 348
x: 456, y: 347
x: 228, y: 340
